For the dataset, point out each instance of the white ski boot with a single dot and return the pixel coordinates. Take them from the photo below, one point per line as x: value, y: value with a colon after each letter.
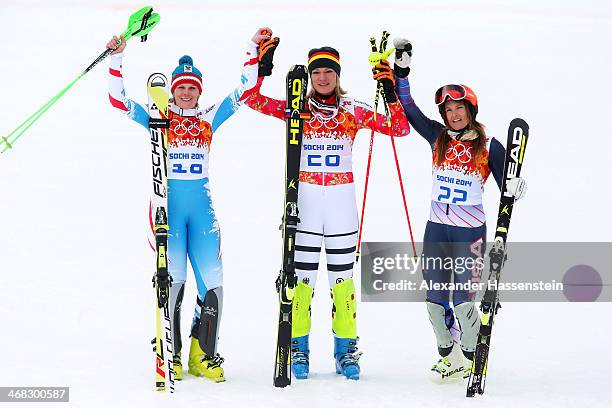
x: 452, y: 367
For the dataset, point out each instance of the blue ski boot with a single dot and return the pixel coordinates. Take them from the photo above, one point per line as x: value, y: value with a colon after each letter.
x: 299, y: 357
x: 347, y: 357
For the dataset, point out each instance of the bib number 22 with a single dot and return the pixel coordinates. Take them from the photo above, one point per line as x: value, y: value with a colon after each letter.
x: 459, y: 195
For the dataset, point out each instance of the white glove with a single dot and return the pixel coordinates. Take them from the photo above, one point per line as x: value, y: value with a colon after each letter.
x: 517, y: 187
x: 403, y: 52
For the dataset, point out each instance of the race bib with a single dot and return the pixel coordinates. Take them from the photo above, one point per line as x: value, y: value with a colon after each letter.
x: 326, y: 155
x: 187, y: 163
x: 454, y: 187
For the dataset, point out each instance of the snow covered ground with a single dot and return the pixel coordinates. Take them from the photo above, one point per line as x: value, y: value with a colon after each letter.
x: 76, y: 303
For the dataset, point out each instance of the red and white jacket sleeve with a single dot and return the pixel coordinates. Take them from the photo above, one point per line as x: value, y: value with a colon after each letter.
x: 222, y: 110
x: 116, y: 90
x: 265, y: 104
x: 396, y: 125
x: 116, y: 93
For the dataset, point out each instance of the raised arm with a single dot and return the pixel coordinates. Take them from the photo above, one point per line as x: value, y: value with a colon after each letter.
x: 116, y: 89
x: 222, y: 110
x: 264, y: 104
x: 427, y: 128
x: 265, y: 53
x: 396, y: 126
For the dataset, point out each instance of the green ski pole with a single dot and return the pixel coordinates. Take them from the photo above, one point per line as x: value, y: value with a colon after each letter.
x: 139, y: 25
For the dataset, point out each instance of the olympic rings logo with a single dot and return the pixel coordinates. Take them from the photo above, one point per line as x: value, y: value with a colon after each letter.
x: 181, y: 128
x: 318, y: 121
x: 459, y: 152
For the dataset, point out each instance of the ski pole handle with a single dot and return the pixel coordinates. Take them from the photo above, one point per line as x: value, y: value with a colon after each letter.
x: 383, y: 41
x: 376, y: 56
x: 141, y: 23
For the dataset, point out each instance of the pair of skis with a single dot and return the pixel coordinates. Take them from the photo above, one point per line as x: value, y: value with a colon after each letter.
x: 518, y: 132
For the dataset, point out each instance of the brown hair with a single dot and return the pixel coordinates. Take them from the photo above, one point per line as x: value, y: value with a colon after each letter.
x: 443, y: 138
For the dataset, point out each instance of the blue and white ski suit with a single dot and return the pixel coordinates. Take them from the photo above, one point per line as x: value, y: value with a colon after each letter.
x: 193, y: 227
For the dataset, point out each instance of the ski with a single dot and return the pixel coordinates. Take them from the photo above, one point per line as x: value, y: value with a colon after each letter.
x: 297, y: 82
x: 518, y: 133
x: 157, y: 89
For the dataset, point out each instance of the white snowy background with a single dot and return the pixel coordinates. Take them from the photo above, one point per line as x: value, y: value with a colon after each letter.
x: 76, y: 302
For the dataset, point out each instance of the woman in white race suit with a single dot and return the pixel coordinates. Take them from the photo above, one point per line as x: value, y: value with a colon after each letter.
x: 326, y: 197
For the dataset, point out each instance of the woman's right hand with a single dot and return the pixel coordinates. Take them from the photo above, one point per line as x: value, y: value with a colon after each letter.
x: 117, y: 44
x: 266, y: 47
x: 403, y: 53
x: 262, y: 33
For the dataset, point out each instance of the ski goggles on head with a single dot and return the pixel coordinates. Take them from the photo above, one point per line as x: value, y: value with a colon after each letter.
x: 453, y: 91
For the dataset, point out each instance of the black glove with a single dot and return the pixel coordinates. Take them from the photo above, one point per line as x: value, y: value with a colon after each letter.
x: 384, y: 75
x: 403, y: 53
x: 266, y: 55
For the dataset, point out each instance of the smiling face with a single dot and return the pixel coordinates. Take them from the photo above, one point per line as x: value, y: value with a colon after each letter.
x: 186, y: 96
x: 456, y: 114
x: 324, y: 81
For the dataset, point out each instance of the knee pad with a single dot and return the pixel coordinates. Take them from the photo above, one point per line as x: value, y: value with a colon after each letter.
x: 177, y: 290
x: 344, y: 309
x: 469, y: 322
x: 300, y: 324
x: 206, y: 328
x: 437, y: 317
